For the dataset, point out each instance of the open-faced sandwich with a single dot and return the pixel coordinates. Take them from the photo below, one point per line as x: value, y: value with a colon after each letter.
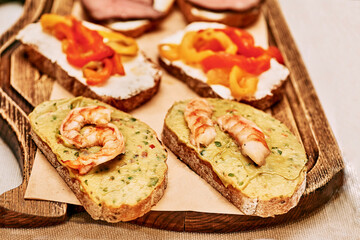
x: 92, y: 61
x: 252, y: 159
x: 236, y: 13
x: 131, y: 17
x: 215, y: 60
x: 114, y: 163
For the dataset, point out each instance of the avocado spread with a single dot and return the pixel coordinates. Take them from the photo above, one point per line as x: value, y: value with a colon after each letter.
x: 284, y: 168
x: 127, y: 179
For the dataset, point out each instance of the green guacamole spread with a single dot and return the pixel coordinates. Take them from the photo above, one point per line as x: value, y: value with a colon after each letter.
x: 127, y: 179
x: 285, y: 166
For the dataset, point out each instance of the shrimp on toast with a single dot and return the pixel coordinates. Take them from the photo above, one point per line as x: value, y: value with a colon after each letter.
x: 104, y: 134
x: 78, y: 118
x: 198, y: 117
x: 247, y: 135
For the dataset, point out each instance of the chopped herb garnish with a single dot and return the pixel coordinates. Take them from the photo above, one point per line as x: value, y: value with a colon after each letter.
x: 241, y: 183
x: 119, y: 171
x: 133, y: 119
x: 71, y: 106
x: 231, y: 175
x: 112, y: 178
x: 65, y: 151
x: 137, y: 132
x: 217, y: 143
x: 105, y: 189
x: 202, y: 152
x: 153, y: 181
x: 147, y: 131
x: 54, y: 117
x: 76, y: 154
x: 145, y: 142
x: 130, y: 177
x: 279, y: 151
x: 86, y: 181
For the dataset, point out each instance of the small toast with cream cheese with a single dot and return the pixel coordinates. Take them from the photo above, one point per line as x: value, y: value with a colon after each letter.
x: 90, y: 60
x: 216, y: 60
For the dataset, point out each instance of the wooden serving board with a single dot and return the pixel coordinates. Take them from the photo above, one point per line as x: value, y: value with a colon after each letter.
x: 299, y: 109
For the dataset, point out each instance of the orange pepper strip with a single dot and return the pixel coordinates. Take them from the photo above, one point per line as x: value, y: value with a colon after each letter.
x: 118, y: 67
x: 98, y: 74
x: 241, y: 84
x: 218, y: 76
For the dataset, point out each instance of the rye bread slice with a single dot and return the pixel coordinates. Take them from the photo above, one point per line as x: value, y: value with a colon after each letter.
x: 77, y: 88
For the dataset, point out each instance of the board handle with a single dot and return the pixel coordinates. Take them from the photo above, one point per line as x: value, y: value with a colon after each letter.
x: 15, y: 211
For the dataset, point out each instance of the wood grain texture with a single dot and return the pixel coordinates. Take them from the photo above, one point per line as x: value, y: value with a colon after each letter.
x: 14, y: 210
x: 299, y: 109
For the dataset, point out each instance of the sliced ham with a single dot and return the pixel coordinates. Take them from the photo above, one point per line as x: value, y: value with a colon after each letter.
x: 222, y: 5
x: 122, y: 9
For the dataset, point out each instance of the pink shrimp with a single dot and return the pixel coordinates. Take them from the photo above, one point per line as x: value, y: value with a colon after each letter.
x: 248, y: 136
x: 198, y: 117
x: 104, y: 134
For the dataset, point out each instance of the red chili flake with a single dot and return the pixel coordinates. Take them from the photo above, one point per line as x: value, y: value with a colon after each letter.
x: 152, y: 146
x: 144, y: 154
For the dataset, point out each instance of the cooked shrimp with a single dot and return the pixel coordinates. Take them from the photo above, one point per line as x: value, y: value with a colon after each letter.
x: 109, y: 138
x: 78, y: 118
x: 248, y: 136
x: 103, y: 134
x: 198, y: 117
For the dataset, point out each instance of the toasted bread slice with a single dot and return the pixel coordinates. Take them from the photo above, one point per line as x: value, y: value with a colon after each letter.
x: 265, y: 191
x: 140, y: 83
x: 122, y: 189
x: 243, y: 18
x: 135, y: 27
x: 269, y: 88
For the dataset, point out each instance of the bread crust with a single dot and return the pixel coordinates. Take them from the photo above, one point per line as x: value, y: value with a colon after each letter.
x: 204, y: 90
x: 138, y: 31
x: 231, y: 18
x: 100, y: 211
x: 77, y: 88
x: 246, y: 204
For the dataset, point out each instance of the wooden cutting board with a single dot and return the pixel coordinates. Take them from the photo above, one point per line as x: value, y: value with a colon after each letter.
x: 299, y: 109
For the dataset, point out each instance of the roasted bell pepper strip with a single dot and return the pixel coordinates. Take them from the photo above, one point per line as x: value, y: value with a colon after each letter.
x: 48, y: 21
x: 189, y: 53
x: 242, y: 85
x: 87, y: 45
x: 169, y: 51
x: 118, y: 67
x: 96, y: 73
x: 244, y: 41
x: 252, y: 65
x: 218, y: 76
x: 274, y: 52
x: 120, y: 43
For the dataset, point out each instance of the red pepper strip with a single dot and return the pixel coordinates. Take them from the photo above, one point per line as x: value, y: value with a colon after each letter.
x: 251, y: 65
x: 94, y: 77
x: 79, y: 58
x: 213, y: 45
x: 83, y: 45
x: 244, y: 41
x: 118, y: 66
x: 62, y: 31
x: 274, y: 52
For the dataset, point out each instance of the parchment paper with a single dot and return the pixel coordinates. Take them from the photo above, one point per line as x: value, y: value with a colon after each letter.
x: 186, y: 191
